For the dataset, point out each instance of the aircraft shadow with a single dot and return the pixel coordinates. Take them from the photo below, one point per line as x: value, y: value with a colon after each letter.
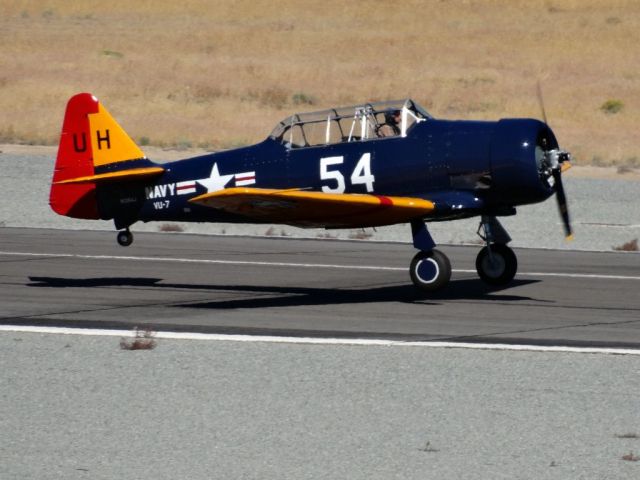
x: 288, y: 296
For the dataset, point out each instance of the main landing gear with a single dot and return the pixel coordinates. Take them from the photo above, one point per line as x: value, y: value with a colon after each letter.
x: 496, y: 263
x: 430, y: 270
x: 125, y: 237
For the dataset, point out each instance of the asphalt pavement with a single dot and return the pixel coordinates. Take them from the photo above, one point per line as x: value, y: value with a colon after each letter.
x: 313, y: 288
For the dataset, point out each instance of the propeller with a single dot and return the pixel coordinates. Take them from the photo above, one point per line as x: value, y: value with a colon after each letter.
x: 541, y: 101
x: 562, y: 200
x: 555, y: 162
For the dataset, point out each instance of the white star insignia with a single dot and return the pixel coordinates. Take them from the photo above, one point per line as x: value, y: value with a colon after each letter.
x: 215, y: 181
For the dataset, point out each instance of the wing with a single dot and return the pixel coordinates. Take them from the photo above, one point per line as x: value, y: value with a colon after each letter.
x: 316, y: 209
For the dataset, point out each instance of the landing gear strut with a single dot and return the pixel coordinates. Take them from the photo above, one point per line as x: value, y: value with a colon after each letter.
x: 496, y: 263
x: 125, y: 237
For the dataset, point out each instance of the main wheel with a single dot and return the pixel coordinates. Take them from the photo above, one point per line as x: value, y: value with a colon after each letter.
x: 500, y: 267
x: 125, y: 238
x: 430, y: 271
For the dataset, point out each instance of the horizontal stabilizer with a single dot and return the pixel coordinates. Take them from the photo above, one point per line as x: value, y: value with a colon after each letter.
x: 316, y: 209
x: 120, y: 175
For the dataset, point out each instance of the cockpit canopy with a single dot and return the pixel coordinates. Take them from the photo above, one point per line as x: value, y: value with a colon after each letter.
x: 348, y: 124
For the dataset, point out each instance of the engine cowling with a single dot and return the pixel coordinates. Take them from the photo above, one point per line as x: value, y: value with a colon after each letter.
x: 519, y: 148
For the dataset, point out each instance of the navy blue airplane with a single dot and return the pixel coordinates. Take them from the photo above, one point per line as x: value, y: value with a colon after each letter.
x: 362, y: 166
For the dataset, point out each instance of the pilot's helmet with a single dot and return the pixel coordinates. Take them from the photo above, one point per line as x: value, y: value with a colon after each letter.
x: 390, y: 116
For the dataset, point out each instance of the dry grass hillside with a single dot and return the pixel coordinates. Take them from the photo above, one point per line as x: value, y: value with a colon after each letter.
x: 217, y: 74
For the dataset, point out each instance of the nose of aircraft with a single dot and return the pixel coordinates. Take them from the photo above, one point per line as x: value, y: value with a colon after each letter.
x: 527, y: 165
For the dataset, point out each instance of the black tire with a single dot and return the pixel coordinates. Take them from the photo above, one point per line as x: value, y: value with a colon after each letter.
x: 125, y: 238
x: 503, y: 268
x: 430, y: 271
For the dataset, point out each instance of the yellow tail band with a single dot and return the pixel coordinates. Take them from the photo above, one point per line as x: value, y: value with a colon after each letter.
x: 109, y: 142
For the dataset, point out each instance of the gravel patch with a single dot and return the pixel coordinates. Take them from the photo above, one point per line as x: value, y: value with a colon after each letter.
x: 80, y: 407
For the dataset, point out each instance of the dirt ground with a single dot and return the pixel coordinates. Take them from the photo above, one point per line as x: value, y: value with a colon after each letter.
x: 216, y: 74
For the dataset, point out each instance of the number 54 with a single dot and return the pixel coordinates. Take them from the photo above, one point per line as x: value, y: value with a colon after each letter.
x: 361, y: 174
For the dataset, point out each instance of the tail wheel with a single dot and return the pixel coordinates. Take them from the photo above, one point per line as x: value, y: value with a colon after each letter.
x: 497, y: 267
x: 125, y: 238
x: 430, y: 271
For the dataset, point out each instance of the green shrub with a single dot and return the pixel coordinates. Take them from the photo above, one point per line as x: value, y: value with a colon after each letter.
x: 183, y: 144
x: 112, y: 53
x: 612, y: 106
x: 302, y: 99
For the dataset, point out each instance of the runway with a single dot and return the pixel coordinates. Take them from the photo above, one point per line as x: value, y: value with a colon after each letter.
x: 311, y: 288
x: 79, y: 405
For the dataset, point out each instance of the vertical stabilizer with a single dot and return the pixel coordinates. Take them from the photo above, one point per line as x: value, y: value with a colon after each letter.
x: 91, y: 143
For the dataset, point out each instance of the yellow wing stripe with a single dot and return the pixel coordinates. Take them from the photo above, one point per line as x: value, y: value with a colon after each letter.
x: 346, y: 198
x: 120, y: 175
x: 316, y: 209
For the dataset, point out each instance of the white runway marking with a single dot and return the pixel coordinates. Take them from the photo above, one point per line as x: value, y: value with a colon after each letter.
x: 315, y: 341
x: 299, y: 265
x: 308, y: 340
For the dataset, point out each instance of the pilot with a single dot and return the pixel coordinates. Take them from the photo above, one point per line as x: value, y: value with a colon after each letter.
x: 391, y: 125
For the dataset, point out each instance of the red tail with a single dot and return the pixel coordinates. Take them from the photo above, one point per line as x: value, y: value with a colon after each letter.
x: 75, y: 159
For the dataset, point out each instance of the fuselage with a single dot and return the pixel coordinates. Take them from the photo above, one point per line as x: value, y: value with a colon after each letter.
x: 456, y: 164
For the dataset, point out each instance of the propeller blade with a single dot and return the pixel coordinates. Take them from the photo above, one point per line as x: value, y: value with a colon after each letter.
x: 541, y: 102
x: 562, y: 204
x: 559, y: 164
